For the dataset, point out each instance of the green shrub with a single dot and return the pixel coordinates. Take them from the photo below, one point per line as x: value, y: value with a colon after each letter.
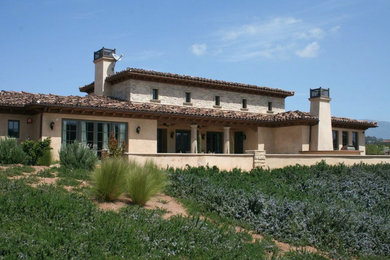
x: 10, y: 152
x: 35, y: 149
x: 340, y: 209
x: 77, y: 156
x: 110, y: 179
x: 45, y: 159
x: 145, y: 182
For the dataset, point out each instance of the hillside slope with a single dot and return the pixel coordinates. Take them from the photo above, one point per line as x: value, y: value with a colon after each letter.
x: 382, y: 131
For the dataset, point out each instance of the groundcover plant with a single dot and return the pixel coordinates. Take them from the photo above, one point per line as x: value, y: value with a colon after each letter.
x: 49, y: 222
x: 339, y: 209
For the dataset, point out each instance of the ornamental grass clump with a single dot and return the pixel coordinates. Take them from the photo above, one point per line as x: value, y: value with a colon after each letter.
x: 77, y: 156
x: 11, y: 152
x: 110, y: 179
x: 143, y: 182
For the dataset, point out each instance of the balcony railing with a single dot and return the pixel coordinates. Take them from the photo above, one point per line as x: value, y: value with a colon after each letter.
x: 103, y: 52
x: 319, y: 92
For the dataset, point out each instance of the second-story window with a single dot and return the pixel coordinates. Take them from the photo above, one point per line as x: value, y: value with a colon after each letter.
x: 217, y: 100
x: 155, y: 94
x: 188, y: 97
x: 244, y: 103
x: 269, y: 106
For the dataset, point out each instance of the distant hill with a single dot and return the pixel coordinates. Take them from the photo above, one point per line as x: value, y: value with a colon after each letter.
x: 382, y: 131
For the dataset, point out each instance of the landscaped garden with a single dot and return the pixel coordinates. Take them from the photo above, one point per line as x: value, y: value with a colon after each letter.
x: 82, y: 208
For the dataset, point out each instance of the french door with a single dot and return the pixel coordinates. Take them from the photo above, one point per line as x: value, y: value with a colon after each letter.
x: 214, y: 142
x: 183, y: 141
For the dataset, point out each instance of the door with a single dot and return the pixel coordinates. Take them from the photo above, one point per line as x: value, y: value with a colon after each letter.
x: 161, y: 140
x: 183, y: 141
x: 214, y: 142
x: 238, y: 142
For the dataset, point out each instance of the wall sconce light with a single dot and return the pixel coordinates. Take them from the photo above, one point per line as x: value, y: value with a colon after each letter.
x: 172, y: 134
x: 51, y: 125
x: 203, y: 136
x: 29, y: 120
x: 138, y: 129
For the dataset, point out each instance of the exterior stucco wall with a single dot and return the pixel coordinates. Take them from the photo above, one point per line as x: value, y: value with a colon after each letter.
x: 103, y: 67
x: 290, y: 140
x: 265, y: 141
x: 26, y: 131
x: 274, y: 161
x: 322, y: 132
x: 222, y: 161
x: 144, y: 142
x: 170, y: 94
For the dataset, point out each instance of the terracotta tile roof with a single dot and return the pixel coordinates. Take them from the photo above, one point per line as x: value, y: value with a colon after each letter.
x: 133, y: 73
x: 92, y: 102
x: 349, y: 123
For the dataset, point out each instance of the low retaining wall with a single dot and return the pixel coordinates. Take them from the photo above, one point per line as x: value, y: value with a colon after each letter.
x: 253, y: 159
x: 175, y: 160
x: 274, y: 161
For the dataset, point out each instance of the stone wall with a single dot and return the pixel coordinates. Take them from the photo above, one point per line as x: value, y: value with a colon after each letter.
x: 170, y: 94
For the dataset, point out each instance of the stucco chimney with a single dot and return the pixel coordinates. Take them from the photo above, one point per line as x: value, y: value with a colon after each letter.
x: 104, y: 67
x: 322, y: 133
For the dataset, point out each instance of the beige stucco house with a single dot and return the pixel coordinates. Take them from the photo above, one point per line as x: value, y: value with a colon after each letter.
x: 178, y: 119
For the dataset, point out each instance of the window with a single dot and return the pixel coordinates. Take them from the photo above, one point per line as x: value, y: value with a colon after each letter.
x: 13, y: 128
x: 355, y: 140
x: 155, y: 94
x: 217, y: 100
x: 93, y: 134
x: 244, y: 103
x: 188, y: 97
x: 69, y: 131
x: 335, y: 135
x: 269, y: 106
x: 345, y: 138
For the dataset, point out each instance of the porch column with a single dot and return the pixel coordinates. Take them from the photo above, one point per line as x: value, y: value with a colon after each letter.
x: 362, y: 142
x: 226, y: 137
x: 194, y: 138
x: 340, y: 135
x: 349, y: 137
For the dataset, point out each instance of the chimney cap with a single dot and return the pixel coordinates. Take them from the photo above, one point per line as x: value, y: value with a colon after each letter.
x: 319, y: 92
x: 103, y: 52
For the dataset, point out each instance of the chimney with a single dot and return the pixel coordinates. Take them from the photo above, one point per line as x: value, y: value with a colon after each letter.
x: 104, y: 67
x: 322, y: 132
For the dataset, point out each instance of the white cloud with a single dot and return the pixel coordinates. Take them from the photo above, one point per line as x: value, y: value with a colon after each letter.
x: 199, y: 49
x: 313, y: 33
x: 275, y: 38
x: 335, y: 29
x: 310, y: 51
x: 268, y: 27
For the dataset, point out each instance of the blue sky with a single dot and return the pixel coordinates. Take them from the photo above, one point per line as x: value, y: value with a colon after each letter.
x: 47, y: 46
